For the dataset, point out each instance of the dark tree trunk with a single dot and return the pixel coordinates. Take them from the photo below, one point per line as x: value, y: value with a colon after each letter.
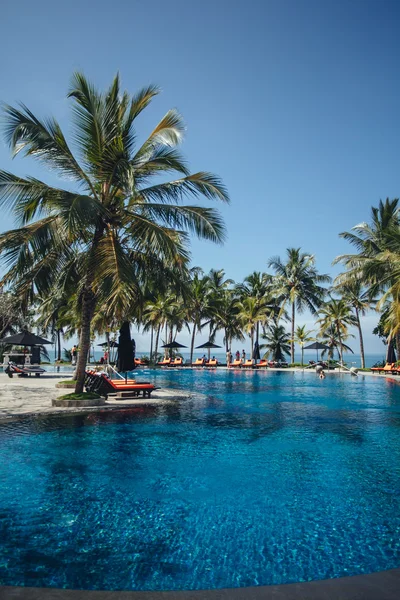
x: 88, y: 304
x: 151, y: 343
x: 192, y: 343
x: 156, y: 346
x: 361, y: 338
x: 59, y: 344
x: 292, y: 340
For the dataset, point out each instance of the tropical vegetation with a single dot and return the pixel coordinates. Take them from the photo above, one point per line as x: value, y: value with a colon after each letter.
x: 109, y: 244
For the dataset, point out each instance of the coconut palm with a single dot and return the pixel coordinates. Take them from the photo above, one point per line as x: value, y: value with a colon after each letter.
x: 199, y: 309
x: 302, y: 336
x: 277, y: 342
x: 112, y: 223
x: 334, y: 341
x: 252, y: 311
x: 377, y: 261
x: 225, y: 317
x: 259, y: 286
x: 354, y: 293
x: 337, y: 314
x: 297, y: 282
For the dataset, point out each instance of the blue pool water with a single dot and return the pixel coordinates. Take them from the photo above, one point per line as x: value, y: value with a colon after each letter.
x: 265, y: 478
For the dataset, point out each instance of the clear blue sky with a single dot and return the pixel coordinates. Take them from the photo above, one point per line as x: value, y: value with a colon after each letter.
x: 295, y: 104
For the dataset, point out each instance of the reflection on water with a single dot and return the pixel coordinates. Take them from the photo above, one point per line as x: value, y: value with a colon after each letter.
x: 264, y: 478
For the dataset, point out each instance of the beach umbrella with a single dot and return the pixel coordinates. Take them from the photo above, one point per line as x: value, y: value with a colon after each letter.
x: 256, y: 352
x: 316, y: 346
x: 126, y: 350
x: 208, y: 345
x: 173, y: 346
x: 24, y: 338
x: 112, y: 344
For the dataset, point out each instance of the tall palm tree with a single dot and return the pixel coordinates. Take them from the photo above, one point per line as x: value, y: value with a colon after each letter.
x: 252, y: 311
x: 334, y: 341
x: 225, y: 317
x: 377, y: 261
x: 113, y: 223
x: 354, y: 293
x: 302, y: 336
x: 260, y: 287
x: 297, y: 281
x: 337, y: 314
x: 198, y: 306
x: 277, y: 342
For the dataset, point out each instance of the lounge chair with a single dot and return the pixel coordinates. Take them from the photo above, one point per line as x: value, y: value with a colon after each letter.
x: 199, y: 362
x: 236, y: 364
x: 262, y: 363
x: 248, y: 364
x: 25, y: 371
x: 165, y: 362
x: 388, y: 368
x: 104, y: 386
x: 212, y: 363
x: 178, y: 362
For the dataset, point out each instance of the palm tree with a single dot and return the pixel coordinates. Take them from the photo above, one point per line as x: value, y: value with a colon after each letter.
x: 377, y: 261
x: 113, y: 224
x: 259, y: 286
x: 252, y: 311
x: 277, y: 342
x: 334, y: 341
x: 301, y: 337
x: 225, y: 317
x: 297, y: 281
x: 198, y: 306
x: 355, y: 294
x: 337, y: 314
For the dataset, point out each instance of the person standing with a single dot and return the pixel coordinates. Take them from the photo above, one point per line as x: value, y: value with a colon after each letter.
x: 228, y: 358
x: 237, y: 355
x: 243, y: 356
x: 74, y: 354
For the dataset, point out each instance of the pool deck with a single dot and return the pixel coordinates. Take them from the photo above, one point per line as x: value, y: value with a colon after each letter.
x: 376, y: 586
x: 34, y: 395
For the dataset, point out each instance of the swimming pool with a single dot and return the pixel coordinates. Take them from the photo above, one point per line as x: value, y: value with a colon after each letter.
x: 263, y: 478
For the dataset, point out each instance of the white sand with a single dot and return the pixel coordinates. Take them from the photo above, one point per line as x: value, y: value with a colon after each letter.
x: 32, y: 395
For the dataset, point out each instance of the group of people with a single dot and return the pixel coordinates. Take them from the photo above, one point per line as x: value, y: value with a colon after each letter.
x: 229, y: 357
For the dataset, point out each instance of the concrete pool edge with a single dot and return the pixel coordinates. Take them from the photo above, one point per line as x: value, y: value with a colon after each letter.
x: 384, y: 585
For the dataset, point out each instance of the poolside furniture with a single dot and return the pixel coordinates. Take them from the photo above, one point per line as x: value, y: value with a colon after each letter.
x: 261, y: 364
x: 199, y: 362
x: 248, y: 364
x: 138, y: 362
x: 24, y: 371
x: 103, y: 385
x: 388, y: 368
x: 211, y: 363
x: 236, y: 364
x: 178, y: 362
x: 165, y: 362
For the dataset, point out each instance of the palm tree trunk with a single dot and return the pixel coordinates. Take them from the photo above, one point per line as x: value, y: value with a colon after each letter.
x: 88, y: 304
x: 398, y: 344
x: 340, y: 344
x: 59, y: 344
x: 292, y: 340
x: 360, y: 335
x: 157, y: 338
x: 226, y: 341
x: 192, y: 343
x: 302, y: 354
x: 252, y: 341
x: 151, y: 343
